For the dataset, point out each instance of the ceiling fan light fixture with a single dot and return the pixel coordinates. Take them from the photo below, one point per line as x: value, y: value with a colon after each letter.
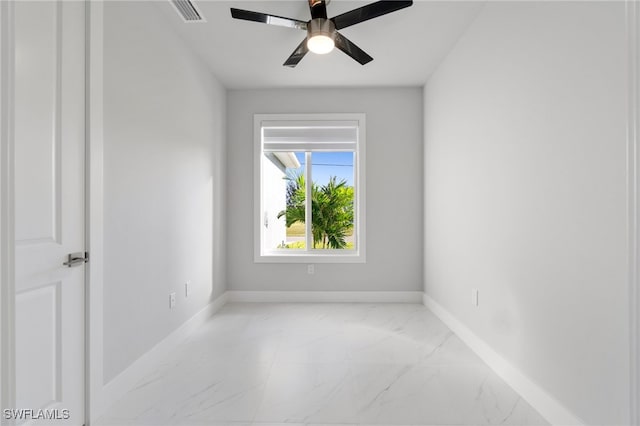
x: 320, y: 44
x: 321, y: 36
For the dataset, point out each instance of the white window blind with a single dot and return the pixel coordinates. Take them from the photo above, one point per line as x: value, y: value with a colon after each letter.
x: 309, y: 136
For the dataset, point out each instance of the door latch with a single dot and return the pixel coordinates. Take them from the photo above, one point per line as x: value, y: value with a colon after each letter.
x: 76, y: 259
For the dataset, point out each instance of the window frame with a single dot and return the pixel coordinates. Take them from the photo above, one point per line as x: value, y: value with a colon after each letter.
x: 358, y: 255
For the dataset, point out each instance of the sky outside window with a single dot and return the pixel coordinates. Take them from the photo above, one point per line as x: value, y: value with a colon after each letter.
x: 327, y: 164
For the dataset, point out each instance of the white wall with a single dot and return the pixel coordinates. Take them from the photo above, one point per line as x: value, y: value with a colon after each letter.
x: 164, y: 160
x: 525, y: 195
x: 394, y: 190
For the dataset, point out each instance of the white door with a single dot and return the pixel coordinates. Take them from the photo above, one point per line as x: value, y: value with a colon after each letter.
x: 49, y: 199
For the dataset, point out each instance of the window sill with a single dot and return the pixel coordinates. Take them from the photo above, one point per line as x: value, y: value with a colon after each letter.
x: 310, y: 258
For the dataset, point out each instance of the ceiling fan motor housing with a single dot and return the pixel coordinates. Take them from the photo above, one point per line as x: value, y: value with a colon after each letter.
x: 321, y: 27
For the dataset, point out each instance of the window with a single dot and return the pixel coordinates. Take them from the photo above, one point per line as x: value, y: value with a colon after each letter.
x: 309, y: 188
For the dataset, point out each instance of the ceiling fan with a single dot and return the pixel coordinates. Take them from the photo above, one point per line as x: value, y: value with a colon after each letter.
x: 322, y: 32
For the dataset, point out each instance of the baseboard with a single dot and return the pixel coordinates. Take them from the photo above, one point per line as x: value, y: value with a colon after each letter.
x: 549, y: 407
x: 127, y: 380
x: 326, y: 296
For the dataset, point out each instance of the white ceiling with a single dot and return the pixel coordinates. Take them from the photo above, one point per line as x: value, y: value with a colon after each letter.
x: 406, y: 45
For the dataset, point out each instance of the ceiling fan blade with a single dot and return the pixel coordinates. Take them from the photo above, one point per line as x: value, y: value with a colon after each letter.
x: 352, y: 50
x: 369, y: 11
x: 297, y: 55
x: 318, y: 9
x: 264, y: 18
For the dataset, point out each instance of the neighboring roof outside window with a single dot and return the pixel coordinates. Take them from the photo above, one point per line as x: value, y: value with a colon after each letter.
x: 288, y: 160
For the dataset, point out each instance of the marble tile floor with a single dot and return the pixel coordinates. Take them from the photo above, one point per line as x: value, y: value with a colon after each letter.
x: 333, y: 364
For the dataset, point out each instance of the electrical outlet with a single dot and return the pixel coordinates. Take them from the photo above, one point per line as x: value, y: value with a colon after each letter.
x: 187, y: 288
x: 474, y: 297
x: 172, y: 300
x: 311, y: 269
